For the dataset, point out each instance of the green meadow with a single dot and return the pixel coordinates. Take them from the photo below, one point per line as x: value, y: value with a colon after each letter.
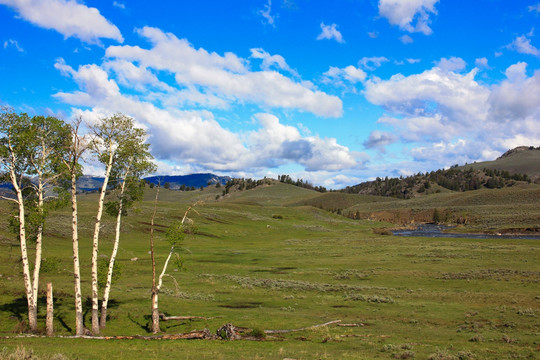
x: 273, y: 258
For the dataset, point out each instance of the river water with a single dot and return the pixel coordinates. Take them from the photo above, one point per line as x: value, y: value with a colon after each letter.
x: 432, y: 230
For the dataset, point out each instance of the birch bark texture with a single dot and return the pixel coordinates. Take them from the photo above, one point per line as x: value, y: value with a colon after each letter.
x: 117, y: 144
x: 31, y: 147
x: 72, y: 157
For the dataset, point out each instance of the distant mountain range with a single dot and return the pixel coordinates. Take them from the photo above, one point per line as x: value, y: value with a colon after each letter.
x: 174, y: 182
x: 521, y: 160
x: 195, y: 180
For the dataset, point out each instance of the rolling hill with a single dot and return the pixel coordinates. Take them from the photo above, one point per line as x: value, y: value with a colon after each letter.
x: 520, y: 160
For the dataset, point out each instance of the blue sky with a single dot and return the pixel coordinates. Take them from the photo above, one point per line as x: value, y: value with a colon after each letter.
x: 334, y: 92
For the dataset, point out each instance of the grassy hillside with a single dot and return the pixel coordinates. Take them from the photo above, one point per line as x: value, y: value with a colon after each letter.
x: 266, y: 259
x: 522, y: 160
x: 487, y: 210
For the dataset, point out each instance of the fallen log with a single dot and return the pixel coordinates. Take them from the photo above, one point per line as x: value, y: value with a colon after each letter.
x: 351, y: 325
x: 193, y: 335
x: 301, y: 329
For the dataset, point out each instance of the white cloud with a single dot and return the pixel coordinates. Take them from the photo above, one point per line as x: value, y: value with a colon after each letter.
x: 482, y: 63
x: 351, y: 74
x: 518, y: 97
x: 195, y: 139
x: 372, y: 63
x: 266, y: 13
x: 404, y: 13
x: 13, y: 43
x: 456, y: 96
x: 271, y: 61
x: 330, y: 32
x: 406, y: 39
x: 451, y: 64
x: 119, y: 5
x: 225, y: 77
x: 68, y: 17
x: 413, y: 61
x: 445, y: 117
x: 379, y: 139
x: 523, y: 45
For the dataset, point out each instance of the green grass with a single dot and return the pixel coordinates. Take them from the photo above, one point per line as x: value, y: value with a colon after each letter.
x: 254, y: 269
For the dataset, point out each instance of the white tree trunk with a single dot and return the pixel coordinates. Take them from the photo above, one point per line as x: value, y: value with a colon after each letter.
x: 155, y: 307
x: 157, y: 288
x: 107, y: 291
x: 39, y: 246
x: 32, y: 309
x: 50, y: 311
x: 95, y: 246
x: 79, y: 326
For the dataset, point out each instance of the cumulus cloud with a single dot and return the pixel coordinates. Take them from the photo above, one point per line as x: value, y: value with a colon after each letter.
x: 330, y: 32
x: 226, y: 77
x: 482, y: 63
x: 436, y: 90
x: 451, y: 64
x: 517, y: 97
x: 339, y: 76
x: 446, y: 117
x: 409, y: 15
x: 195, y: 139
x: 523, y: 45
x: 372, y: 63
x: 278, y: 143
x: 379, y: 139
x: 406, y: 39
x: 271, y: 61
x: 69, y: 17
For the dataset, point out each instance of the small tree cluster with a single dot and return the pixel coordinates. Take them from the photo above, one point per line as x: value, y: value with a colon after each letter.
x: 286, y: 179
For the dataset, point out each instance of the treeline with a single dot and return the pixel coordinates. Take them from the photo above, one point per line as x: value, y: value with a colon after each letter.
x: 286, y: 179
x: 452, y: 179
x: 167, y: 185
x: 241, y: 184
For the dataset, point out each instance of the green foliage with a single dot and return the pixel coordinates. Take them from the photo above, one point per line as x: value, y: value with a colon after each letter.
x: 103, y: 268
x: 301, y: 183
x: 176, y: 233
x: 258, y: 333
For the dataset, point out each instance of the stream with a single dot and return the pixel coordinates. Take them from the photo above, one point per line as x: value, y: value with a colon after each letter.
x: 432, y: 230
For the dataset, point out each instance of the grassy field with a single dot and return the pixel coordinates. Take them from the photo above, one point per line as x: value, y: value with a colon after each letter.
x: 264, y: 259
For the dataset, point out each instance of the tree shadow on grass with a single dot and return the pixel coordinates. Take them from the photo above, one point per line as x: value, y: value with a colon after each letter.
x: 17, y: 308
x: 145, y: 327
x: 87, y: 308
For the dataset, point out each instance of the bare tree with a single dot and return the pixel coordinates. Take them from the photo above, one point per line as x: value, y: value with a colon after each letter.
x: 175, y: 234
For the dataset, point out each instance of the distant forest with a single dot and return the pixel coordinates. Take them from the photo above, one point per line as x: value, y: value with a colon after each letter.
x: 452, y: 179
